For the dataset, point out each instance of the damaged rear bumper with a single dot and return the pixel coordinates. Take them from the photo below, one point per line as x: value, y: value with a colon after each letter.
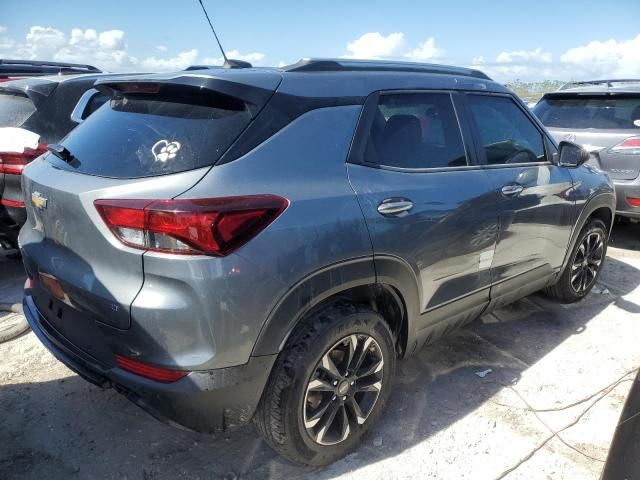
x: 203, y: 401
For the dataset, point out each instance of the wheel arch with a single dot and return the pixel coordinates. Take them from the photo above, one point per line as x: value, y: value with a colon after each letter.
x: 602, y: 207
x: 391, y: 294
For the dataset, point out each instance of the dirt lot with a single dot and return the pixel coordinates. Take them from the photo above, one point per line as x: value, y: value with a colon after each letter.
x: 442, y: 420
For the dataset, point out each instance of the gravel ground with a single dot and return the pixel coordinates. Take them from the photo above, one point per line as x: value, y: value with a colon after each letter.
x: 442, y: 420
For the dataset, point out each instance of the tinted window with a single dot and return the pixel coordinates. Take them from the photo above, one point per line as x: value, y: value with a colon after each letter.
x: 415, y: 131
x: 140, y: 135
x: 506, y: 133
x: 14, y: 109
x: 590, y: 112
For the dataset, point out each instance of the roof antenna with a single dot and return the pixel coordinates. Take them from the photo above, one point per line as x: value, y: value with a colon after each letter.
x: 227, y: 63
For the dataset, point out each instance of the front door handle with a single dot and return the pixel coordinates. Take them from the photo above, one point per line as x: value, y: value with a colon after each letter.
x: 396, y: 207
x: 512, y: 189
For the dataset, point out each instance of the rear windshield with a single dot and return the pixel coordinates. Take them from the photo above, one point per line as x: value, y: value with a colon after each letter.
x: 14, y: 109
x: 599, y: 112
x: 141, y: 135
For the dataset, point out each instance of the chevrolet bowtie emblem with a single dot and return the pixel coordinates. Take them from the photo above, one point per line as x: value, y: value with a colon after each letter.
x: 38, y: 201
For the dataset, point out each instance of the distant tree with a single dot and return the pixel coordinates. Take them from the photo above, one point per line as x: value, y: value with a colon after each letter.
x: 532, y: 91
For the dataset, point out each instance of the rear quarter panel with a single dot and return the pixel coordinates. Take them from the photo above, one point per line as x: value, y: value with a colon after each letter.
x: 232, y: 297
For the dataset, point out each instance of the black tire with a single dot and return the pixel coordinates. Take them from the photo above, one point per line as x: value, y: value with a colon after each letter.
x: 282, y: 414
x: 14, y: 324
x: 564, y: 290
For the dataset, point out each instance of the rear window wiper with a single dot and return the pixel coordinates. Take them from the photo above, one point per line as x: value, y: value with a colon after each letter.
x: 63, y: 154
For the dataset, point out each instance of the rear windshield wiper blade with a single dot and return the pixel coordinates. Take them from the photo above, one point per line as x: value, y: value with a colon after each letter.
x: 62, y: 153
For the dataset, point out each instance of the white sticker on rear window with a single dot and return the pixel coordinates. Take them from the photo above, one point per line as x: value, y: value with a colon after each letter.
x: 637, y: 122
x: 164, y: 150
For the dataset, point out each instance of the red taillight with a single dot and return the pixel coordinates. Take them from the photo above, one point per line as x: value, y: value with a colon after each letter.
x: 11, y: 203
x: 630, y: 146
x: 212, y: 226
x: 14, y: 163
x: 149, y: 371
x: 634, y: 202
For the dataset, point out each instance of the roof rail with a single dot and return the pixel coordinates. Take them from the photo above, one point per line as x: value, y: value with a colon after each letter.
x: 29, y: 68
x: 607, y: 83
x: 343, y: 65
x: 42, y: 63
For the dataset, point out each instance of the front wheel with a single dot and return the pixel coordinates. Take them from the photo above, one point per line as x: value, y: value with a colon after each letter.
x: 329, y: 385
x: 585, y: 264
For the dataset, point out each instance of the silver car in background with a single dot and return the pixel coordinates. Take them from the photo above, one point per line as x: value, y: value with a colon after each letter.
x: 604, y: 117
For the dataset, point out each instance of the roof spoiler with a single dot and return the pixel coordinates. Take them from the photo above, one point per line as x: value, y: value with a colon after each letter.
x: 254, y: 90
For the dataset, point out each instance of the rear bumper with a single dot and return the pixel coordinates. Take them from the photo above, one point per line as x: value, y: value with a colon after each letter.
x: 203, y: 401
x: 624, y: 190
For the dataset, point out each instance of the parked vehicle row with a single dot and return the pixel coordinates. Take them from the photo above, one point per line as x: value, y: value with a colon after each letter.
x: 228, y: 245
x: 36, y: 112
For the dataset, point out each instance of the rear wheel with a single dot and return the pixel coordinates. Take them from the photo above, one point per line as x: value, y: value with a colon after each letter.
x: 328, y: 386
x: 587, y: 258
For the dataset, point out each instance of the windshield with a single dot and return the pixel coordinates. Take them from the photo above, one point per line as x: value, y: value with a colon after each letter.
x: 141, y: 135
x: 598, y: 112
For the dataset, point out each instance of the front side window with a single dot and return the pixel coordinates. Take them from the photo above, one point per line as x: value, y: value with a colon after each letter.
x: 506, y: 133
x: 415, y: 131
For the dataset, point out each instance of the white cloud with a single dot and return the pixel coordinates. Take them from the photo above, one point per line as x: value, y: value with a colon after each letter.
x: 179, y: 62
x: 254, y: 58
x: 40, y: 42
x: 425, y: 52
x: 597, y: 59
x: 373, y: 45
x: 107, y: 50
x: 522, y: 56
x: 611, y: 58
x: 161, y: 48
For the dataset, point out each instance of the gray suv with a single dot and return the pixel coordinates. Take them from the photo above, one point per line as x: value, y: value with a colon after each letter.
x: 604, y: 117
x: 235, y: 244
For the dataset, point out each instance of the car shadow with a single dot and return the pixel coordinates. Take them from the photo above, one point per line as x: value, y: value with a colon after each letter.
x: 625, y: 235
x: 68, y: 428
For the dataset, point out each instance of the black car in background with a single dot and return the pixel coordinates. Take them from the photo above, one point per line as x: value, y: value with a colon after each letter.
x: 604, y: 117
x: 14, y: 69
x: 36, y: 112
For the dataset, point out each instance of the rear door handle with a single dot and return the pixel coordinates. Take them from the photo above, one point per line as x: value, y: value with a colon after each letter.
x: 396, y: 207
x: 512, y: 190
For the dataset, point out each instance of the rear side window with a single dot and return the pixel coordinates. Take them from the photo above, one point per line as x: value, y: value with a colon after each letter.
x: 15, y: 109
x: 415, y: 131
x: 599, y: 112
x: 141, y: 134
x: 94, y: 103
x: 507, y: 135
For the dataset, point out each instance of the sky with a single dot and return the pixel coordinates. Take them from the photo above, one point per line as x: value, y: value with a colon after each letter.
x: 530, y: 41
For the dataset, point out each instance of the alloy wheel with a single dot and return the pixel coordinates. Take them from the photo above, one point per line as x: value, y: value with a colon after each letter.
x: 586, y: 262
x: 343, y: 389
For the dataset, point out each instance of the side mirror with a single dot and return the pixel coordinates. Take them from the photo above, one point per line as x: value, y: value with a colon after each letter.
x: 572, y: 155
